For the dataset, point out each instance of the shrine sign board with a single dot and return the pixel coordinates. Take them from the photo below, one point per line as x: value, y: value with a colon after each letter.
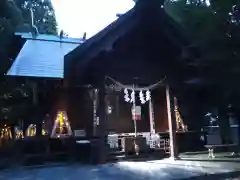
x: 137, y: 112
x: 79, y: 133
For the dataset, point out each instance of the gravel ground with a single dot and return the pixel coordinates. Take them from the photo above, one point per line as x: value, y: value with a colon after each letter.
x: 152, y: 170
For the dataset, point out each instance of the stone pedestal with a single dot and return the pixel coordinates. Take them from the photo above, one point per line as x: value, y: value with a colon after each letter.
x: 235, y: 134
x: 213, y: 136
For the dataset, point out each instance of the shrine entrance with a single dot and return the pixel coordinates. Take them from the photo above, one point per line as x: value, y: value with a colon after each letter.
x: 131, y: 104
x: 130, y: 114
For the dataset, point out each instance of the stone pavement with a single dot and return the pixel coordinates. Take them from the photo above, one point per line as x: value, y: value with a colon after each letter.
x: 165, y: 169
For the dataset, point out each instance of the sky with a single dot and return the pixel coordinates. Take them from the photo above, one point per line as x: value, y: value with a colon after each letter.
x: 78, y: 16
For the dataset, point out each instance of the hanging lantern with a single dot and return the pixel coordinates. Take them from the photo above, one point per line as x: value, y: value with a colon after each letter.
x: 132, y: 97
x: 31, y: 130
x: 19, y: 133
x: 126, y: 96
x: 109, y: 109
x: 141, y: 97
x: 148, y: 95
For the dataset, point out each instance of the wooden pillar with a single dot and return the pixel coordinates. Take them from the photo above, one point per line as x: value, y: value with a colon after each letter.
x: 37, y: 117
x: 95, y: 99
x: 102, y: 124
x: 151, y: 117
x: 171, y: 125
x: 13, y: 133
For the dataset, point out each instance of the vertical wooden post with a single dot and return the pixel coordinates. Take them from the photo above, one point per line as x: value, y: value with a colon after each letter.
x: 35, y: 93
x: 102, y: 127
x: 117, y: 105
x: 95, y: 96
x: 151, y: 117
x: 35, y: 104
x: 171, y: 125
x: 134, y: 111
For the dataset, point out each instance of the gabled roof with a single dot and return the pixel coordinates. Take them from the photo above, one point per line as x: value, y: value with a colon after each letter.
x: 100, y: 39
x: 42, y: 56
x: 104, y: 40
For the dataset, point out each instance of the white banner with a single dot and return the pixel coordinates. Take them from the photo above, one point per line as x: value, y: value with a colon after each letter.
x: 138, y: 112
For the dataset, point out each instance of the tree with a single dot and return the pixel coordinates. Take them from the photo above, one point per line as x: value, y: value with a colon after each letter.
x: 215, y: 28
x: 15, y: 16
x: 10, y: 18
x: 44, y: 16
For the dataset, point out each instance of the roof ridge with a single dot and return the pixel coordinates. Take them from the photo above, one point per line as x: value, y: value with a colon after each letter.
x: 51, y: 38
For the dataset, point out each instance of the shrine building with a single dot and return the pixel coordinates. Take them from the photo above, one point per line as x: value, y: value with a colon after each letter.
x: 130, y: 78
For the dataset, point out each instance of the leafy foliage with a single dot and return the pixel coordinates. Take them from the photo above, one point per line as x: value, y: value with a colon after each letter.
x: 215, y: 28
x: 15, y: 16
x: 15, y: 98
x: 44, y: 16
x: 10, y: 18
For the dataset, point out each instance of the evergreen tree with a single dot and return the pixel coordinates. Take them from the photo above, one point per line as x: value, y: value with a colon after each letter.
x: 215, y: 28
x: 44, y: 16
x: 15, y: 99
x: 10, y: 18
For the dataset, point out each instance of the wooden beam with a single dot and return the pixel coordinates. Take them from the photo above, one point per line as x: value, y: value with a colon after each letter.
x: 171, y: 125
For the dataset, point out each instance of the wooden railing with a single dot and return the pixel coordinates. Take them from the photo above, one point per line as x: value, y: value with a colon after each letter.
x: 154, y: 142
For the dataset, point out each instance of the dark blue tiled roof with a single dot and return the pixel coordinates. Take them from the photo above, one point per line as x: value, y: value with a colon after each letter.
x: 43, y: 56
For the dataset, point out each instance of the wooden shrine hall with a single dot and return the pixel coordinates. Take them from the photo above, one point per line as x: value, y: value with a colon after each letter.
x: 140, y: 60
